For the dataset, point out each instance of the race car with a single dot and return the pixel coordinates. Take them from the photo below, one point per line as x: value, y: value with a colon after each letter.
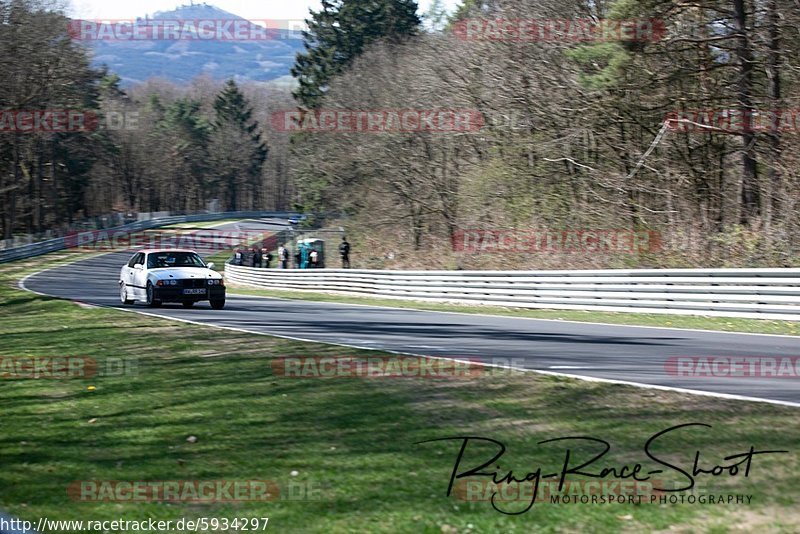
x: 173, y: 275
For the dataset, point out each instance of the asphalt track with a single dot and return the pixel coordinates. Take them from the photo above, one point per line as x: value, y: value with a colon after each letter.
x: 597, y: 351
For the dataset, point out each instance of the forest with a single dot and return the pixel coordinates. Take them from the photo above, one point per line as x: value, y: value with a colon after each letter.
x: 687, y: 128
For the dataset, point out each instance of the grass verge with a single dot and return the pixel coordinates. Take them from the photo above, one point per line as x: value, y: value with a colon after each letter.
x: 349, y: 441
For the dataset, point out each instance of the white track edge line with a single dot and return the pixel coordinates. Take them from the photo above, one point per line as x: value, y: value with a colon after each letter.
x: 727, y: 396
x: 21, y: 285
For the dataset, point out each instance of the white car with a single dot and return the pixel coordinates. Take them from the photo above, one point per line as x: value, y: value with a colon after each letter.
x: 172, y: 275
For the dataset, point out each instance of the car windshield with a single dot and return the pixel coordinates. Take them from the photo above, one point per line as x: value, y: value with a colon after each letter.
x: 158, y: 260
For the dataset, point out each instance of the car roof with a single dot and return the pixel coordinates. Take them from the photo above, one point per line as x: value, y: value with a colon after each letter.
x: 160, y: 250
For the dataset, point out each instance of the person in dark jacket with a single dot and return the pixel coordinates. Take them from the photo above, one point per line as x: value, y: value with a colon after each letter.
x: 256, y: 258
x: 344, y: 252
x: 283, y: 257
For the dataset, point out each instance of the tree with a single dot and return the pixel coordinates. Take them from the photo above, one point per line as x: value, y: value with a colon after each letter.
x: 185, y: 133
x: 340, y: 32
x: 436, y: 16
x: 237, y: 150
x: 43, y: 175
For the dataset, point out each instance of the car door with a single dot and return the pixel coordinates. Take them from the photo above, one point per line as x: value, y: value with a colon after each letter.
x: 126, y: 274
x: 138, y: 276
x: 131, y: 275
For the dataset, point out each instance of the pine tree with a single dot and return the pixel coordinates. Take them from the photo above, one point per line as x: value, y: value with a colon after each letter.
x: 436, y: 16
x: 238, y: 151
x: 339, y: 32
x: 186, y: 131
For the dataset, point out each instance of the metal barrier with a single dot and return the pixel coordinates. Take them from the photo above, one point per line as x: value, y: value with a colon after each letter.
x: 748, y: 293
x: 60, y: 243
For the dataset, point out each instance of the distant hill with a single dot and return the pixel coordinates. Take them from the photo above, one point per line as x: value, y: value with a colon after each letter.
x: 182, y: 60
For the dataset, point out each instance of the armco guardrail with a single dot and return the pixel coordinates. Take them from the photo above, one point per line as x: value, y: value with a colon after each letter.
x: 749, y: 293
x: 54, y: 245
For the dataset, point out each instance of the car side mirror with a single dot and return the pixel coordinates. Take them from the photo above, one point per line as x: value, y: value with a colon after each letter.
x: 138, y: 266
x: 210, y: 265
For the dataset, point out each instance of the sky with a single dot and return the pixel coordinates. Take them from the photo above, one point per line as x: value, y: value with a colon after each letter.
x: 249, y: 9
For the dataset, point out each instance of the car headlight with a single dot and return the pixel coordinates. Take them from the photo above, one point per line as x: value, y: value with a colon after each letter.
x: 173, y: 282
x: 160, y: 283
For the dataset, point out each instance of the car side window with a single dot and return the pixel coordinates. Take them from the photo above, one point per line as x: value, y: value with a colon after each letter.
x: 137, y: 258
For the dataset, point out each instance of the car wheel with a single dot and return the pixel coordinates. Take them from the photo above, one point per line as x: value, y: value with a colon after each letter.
x: 151, y: 300
x: 188, y: 303
x: 218, y: 304
x: 123, y: 294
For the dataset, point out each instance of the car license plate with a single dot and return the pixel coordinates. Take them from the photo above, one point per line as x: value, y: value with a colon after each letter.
x: 194, y: 291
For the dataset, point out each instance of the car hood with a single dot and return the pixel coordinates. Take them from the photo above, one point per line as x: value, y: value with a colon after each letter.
x: 183, y: 272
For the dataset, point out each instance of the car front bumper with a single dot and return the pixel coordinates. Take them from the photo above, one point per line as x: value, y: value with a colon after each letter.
x: 176, y: 294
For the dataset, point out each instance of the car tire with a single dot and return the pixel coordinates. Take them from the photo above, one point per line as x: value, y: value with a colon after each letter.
x: 151, y: 300
x: 218, y: 304
x: 123, y: 294
x: 187, y: 303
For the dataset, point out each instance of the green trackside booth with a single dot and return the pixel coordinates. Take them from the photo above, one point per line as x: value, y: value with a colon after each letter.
x: 305, y: 246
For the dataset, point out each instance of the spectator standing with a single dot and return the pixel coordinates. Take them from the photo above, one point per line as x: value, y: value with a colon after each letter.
x: 283, y: 257
x: 344, y: 252
x: 256, y: 257
x: 314, y: 257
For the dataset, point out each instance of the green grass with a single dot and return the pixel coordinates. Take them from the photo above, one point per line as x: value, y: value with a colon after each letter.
x: 723, y: 324
x: 351, y: 439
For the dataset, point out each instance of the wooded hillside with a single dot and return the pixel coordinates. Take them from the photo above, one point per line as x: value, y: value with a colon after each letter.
x: 647, y: 132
